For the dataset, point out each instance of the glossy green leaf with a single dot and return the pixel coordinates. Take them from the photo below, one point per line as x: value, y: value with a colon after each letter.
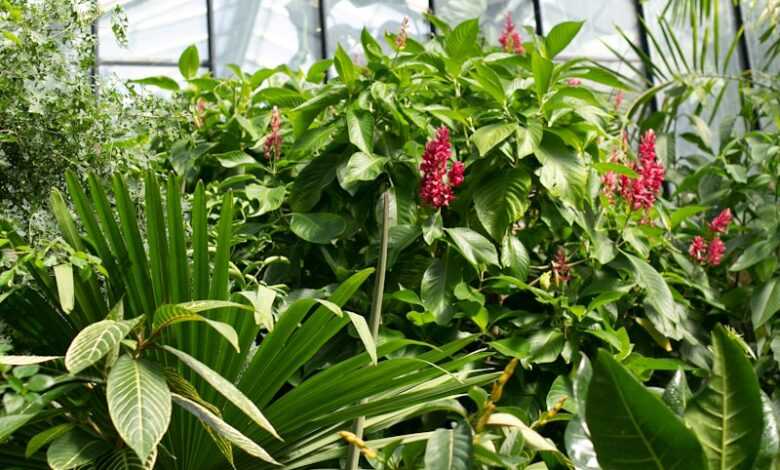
x: 665, y: 316
x: 765, y: 302
x: 360, y: 167
x: 727, y: 414
x: 189, y: 61
x: 346, y: 70
x: 364, y: 332
x: 514, y: 257
x: 461, y: 42
x: 139, y: 403
x: 562, y: 173
x: 631, y: 427
x: 487, y: 137
x: 95, y: 341
x: 437, y: 286
x: 319, y: 228
x: 167, y: 315
x: 677, y: 394
x: 754, y: 254
x: 74, y: 449
x: 449, y: 449
x: 560, y: 36
x: 63, y: 273
x: 360, y: 128
x: 38, y: 441
x: 503, y: 201
x: 477, y: 249
x: 268, y: 199
x: 162, y: 82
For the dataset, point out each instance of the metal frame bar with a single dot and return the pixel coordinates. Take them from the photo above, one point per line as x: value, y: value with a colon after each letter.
x: 432, y: 9
x: 210, y: 33
x: 538, y: 17
x: 323, y: 30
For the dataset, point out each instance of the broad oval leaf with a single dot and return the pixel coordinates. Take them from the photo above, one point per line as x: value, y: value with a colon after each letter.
x: 765, y: 302
x: 487, y: 137
x: 268, y: 199
x: 189, y: 62
x: 74, y: 449
x: 319, y: 228
x: 226, y: 389
x: 360, y: 167
x: 560, y: 36
x: 38, y: 441
x: 360, y: 127
x: 631, y: 427
x: 223, y: 429
x: 95, y: 341
x: 477, y: 249
x: 503, y: 201
x: 449, y: 449
x: 436, y: 287
x: 139, y: 403
x: 754, y: 254
x: 562, y: 171
x: 727, y: 414
x: 665, y: 314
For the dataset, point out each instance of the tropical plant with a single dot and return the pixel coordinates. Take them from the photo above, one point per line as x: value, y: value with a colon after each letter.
x: 113, y: 406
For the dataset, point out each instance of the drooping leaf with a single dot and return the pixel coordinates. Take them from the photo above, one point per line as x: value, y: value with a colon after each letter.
x: 139, y: 403
x: 346, y: 70
x: 319, y: 228
x: 665, y: 316
x: 562, y: 171
x: 477, y: 249
x: 449, y: 449
x: 631, y: 427
x: 162, y: 82
x: 38, y: 441
x: 514, y: 257
x: 268, y: 199
x: 359, y: 167
x: 532, y: 439
x: 226, y: 389
x: 95, y: 341
x: 727, y: 414
x: 360, y: 128
x: 9, y: 424
x: 437, y: 286
x: 26, y: 360
x: 677, y: 394
x: 167, y: 315
x: 364, y: 332
x: 503, y: 201
x: 63, y: 273
x: 765, y: 302
x: 754, y: 254
x: 223, y: 429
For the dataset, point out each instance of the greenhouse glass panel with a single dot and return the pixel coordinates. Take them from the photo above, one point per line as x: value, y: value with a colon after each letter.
x: 345, y: 20
x: 491, y: 14
x: 266, y: 33
x: 157, y: 32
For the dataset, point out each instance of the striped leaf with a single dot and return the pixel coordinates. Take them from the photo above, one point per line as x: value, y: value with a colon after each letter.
x: 26, y: 360
x: 227, y: 389
x: 95, y: 341
x: 169, y: 314
x: 223, y: 429
x: 74, y: 449
x: 139, y: 403
x: 125, y: 459
x: 39, y: 440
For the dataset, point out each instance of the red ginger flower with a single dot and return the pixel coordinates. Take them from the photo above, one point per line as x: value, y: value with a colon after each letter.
x: 641, y: 192
x: 698, y: 248
x: 403, y: 34
x: 609, y: 180
x: 721, y: 222
x: 715, y: 251
x: 560, y: 266
x: 272, y: 147
x: 437, y: 183
x: 510, y: 39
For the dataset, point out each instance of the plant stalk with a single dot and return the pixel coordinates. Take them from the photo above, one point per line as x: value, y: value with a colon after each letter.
x: 353, y: 458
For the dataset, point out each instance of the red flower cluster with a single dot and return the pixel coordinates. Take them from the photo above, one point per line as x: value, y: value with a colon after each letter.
x: 403, y: 34
x: 438, y: 183
x: 510, y: 39
x: 711, y: 253
x: 272, y: 146
x: 609, y: 180
x: 721, y: 222
x: 641, y: 192
x: 574, y: 82
x: 560, y: 266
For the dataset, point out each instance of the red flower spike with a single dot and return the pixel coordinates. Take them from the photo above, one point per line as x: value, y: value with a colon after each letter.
x: 438, y: 183
x: 641, y: 192
x: 715, y: 251
x: 720, y: 224
x: 698, y: 248
x: 560, y: 266
x: 403, y: 34
x: 510, y: 39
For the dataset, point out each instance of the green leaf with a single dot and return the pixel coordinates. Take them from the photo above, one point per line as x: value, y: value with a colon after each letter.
x: 95, y: 341
x: 560, y: 36
x: 477, y: 249
x: 631, y: 428
x: 226, y: 389
x: 364, y: 332
x: 531, y: 438
x: 437, y: 285
x: 344, y: 66
x: 562, y: 173
x: 189, y: 63
x: 461, y: 42
x: 268, y: 199
x: 162, y: 82
x: 665, y: 316
x: 262, y: 300
x: 360, y: 127
x: 198, y: 306
x: 38, y: 441
x: 677, y: 394
x: 360, y: 167
x: 319, y: 228
x: 449, y: 449
x: 765, y: 302
x: 74, y: 449
x: 529, y: 138
x: 503, y: 201
x: 169, y: 314
x: 604, y: 167
x: 487, y: 137
x: 63, y: 273
x: 139, y: 403
x: 754, y: 254
x: 312, y: 180
x: 26, y: 360
x: 514, y: 257
x: 10, y: 423
x: 235, y: 159
x: 542, y: 347
x: 683, y: 213
x: 433, y: 228
x: 726, y: 415
x: 223, y: 429
x: 542, y: 69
